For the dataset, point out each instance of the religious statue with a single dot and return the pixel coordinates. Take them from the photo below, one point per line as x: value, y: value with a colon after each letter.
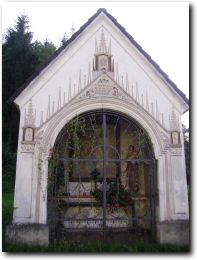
x: 132, y: 169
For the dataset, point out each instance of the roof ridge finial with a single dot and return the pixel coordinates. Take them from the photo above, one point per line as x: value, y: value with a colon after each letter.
x: 104, y: 10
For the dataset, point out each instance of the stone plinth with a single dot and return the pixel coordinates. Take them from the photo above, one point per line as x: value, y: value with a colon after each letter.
x: 173, y: 232
x: 29, y: 234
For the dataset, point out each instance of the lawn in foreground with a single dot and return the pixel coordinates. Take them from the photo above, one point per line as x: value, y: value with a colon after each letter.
x: 66, y: 246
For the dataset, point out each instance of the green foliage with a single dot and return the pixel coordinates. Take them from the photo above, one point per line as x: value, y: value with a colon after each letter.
x: 18, y: 63
x: 116, y: 195
x: 20, y: 59
x: 187, y: 151
x: 8, y: 168
x: 52, y: 170
x: 43, y: 51
x: 7, y: 207
x: 99, y: 247
x: 7, y: 212
x: 75, y: 130
x: 187, y: 159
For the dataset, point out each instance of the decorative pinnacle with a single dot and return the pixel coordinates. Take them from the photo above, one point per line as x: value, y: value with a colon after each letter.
x: 174, y: 122
x: 29, y: 115
x: 102, y: 45
x: 102, y: 48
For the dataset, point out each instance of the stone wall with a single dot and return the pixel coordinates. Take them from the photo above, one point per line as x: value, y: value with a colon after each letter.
x: 28, y: 234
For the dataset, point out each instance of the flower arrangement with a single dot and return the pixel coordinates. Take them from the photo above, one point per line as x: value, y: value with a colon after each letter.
x: 116, y: 195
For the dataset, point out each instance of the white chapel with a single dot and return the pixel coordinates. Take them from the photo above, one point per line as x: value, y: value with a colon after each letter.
x: 109, y: 118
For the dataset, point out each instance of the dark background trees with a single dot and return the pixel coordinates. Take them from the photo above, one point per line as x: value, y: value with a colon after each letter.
x: 187, y: 153
x: 20, y: 59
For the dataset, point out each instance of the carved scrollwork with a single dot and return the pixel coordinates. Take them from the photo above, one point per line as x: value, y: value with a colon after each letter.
x: 176, y: 151
x: 104, y: 87
x: 27, y: 147
x: 165, y: 140
x: 39, y: 137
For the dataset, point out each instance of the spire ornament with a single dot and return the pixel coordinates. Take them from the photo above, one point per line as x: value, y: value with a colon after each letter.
x: 103, y: 58
x: 29, y: 115
x: 102, y: 45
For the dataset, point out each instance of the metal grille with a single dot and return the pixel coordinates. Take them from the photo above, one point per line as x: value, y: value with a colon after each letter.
x: 103, y: 177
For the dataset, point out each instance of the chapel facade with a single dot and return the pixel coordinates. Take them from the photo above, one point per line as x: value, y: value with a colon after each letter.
x: 100, y: 142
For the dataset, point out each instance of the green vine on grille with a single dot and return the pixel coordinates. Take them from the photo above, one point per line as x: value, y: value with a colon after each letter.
x: 114, y: 201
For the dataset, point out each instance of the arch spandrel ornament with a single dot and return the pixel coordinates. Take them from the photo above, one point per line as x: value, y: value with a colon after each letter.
x: 103, y: 86
x: 55, y: 125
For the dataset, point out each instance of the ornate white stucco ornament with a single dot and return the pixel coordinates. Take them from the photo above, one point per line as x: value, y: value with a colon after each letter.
x: 166, y: 141
x: 176, y: 151
x: 174, y: 122
x: 175, y: 135
x: 104, y: 86
x: 28, y: 136
x: 103, y: 61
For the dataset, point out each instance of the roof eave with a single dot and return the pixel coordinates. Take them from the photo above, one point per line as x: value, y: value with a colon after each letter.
x: 76, y: 34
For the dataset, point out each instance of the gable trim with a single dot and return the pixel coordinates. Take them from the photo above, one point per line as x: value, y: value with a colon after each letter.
x: 76, y: 34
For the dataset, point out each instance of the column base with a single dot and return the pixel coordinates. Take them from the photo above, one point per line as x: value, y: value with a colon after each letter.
x: 28, y: 234
x: 174, y: 232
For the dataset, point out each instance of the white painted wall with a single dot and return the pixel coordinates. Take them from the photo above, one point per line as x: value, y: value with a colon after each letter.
x: 30, y: 201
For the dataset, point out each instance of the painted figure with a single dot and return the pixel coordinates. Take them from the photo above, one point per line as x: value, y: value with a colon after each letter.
x: 132, y: 170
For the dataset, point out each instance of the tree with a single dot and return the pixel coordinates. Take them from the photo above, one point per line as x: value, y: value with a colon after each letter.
x: 20, y: 58
x: 72, y: 30
x: 18, y: 63
x: 187, y: 151
x: 66, y: 36
x: 64, y: 39
x: 43, y: 51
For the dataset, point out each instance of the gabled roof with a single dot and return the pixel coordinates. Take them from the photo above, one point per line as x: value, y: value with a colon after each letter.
x: 76, y: 34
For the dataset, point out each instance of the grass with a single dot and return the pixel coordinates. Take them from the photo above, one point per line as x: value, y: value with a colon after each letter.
x: 98, y: 247
x: 7, y: 207
x: 66, y: 246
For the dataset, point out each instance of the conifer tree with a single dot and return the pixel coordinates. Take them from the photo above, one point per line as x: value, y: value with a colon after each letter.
x: 20, y: 58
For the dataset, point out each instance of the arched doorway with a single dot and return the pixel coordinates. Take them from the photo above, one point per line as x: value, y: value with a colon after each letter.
x: 102, y: 176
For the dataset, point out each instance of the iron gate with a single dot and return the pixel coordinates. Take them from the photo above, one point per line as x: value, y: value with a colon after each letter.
x: 102, y: 176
